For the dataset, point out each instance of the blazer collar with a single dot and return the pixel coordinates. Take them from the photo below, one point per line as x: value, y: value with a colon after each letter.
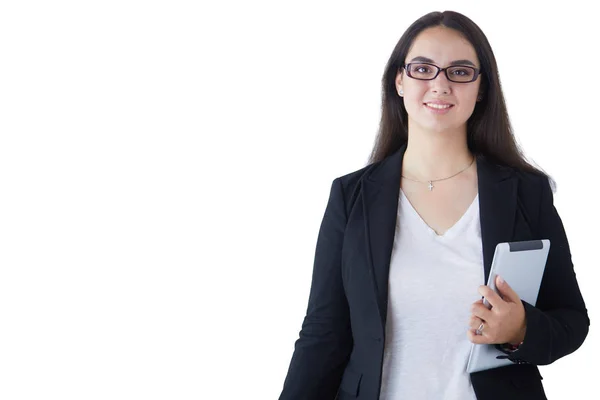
x: 497, y: 186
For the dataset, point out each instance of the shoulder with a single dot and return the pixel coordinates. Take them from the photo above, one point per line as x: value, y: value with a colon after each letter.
x: 348, y: 187
x: 530, y: 184
x: 354, y: 179
x: 530, y: 188
x: 387, y: 167
x: 384, y: 170
x: 533, y: 185
x: 534, y: 195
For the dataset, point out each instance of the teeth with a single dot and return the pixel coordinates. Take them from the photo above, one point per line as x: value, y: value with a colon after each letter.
x: 438, y: 106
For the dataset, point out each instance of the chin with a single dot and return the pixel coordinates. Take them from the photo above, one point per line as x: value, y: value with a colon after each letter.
x: 441, y: 127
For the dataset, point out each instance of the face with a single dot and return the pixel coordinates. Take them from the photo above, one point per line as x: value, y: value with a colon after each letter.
x: 443, y: 47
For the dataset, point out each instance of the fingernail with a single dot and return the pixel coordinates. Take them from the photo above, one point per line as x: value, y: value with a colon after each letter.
x: 500, y: 280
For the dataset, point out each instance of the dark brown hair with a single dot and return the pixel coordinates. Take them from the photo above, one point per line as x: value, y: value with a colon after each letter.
x: 489, y: 132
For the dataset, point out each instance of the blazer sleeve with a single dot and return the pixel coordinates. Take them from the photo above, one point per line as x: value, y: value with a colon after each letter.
x: 325, y: 341
x: 558, y: 324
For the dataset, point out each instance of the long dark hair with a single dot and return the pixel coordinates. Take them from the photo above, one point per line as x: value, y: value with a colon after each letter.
x: 489, y: 132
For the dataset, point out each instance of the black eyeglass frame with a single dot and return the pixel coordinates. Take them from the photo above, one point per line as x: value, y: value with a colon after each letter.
x: 475, y: 75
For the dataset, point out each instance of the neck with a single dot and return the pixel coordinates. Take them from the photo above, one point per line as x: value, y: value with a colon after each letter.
x: 435, y: 155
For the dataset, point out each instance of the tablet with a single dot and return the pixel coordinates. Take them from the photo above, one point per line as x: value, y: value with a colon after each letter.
x: 522, y: 265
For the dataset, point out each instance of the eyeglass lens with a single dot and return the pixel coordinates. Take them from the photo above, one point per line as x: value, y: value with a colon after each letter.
x: 458, y: 73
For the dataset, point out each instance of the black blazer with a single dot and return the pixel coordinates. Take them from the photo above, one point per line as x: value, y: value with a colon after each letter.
x: 339, y: 354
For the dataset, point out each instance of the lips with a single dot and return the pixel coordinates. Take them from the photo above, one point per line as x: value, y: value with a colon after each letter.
x: 439, y: 106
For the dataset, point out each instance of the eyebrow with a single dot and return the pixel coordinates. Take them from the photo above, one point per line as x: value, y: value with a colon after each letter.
x: 455, y: 62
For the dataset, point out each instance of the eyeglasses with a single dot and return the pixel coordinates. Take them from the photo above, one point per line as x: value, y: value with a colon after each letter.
x: 428, y: 72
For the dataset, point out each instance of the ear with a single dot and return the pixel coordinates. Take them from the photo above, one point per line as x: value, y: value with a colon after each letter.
x: 481, y: 91
x: 398, y: 81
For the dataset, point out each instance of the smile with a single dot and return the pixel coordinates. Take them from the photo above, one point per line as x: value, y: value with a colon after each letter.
x: 438, y: 108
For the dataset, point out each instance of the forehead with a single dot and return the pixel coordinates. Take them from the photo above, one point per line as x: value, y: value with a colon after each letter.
x: 442, y: 45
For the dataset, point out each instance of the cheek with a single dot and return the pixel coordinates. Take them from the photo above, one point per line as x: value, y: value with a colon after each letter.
x: 414, y: 100
x: 469, y: 95
x: 412, y: 105
x: 466, y: 97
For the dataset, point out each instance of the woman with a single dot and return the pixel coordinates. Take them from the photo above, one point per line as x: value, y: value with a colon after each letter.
x: 407, y: 242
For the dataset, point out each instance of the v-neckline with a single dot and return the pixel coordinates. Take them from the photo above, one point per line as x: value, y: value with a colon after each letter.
x: 450, y: 232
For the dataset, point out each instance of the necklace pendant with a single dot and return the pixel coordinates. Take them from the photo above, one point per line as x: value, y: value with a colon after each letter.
x: 430, y: 186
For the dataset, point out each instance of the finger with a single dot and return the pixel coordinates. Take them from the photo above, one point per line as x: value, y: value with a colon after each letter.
x: 506, y: 291
x: 482, y: 312
x: 474, y: 322
x: 492, y: 297
x: 475, y: 338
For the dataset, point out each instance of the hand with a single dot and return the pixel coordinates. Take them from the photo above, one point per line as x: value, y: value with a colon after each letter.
x: 504, y: 322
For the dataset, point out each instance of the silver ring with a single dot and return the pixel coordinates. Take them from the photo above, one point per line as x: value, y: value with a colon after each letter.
x: 480, y: 329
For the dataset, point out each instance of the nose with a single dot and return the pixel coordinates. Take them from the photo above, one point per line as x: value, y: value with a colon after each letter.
x: 440, y: 84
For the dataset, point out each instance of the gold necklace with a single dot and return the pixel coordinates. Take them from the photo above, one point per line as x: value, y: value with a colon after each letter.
x: 430, y: 182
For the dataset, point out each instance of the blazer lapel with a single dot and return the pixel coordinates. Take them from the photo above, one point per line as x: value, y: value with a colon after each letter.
x: 381, y: 189
x: 497, y: 208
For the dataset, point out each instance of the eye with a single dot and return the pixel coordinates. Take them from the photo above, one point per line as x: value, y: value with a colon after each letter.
x: 461, y: 72
x: 422, y: 69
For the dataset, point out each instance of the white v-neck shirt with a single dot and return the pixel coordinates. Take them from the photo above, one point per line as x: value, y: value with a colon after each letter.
x: 433, y: 282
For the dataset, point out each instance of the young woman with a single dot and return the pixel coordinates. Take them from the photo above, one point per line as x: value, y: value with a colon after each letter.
x: 407, y: 242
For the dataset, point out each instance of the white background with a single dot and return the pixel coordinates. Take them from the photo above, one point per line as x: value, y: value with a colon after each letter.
x: 165, y: 165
